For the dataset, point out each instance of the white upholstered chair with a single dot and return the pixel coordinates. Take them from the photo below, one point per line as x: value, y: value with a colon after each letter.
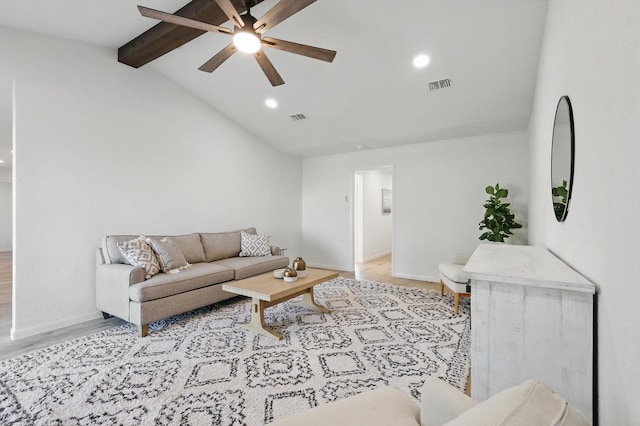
x: 531, y: 403
x: 456, y: 281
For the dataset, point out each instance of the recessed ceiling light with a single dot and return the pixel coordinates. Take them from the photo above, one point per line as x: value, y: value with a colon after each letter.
x: 271, y: 103
x: 421, y: 61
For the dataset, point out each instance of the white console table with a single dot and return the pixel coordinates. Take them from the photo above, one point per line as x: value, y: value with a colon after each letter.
x: 532, y: 318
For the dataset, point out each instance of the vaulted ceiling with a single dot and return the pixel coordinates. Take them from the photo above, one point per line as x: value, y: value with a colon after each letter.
x: 371, y: 96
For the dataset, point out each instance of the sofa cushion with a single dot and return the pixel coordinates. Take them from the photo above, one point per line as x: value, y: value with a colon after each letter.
x: 169, y: 255
x: 529, y: 404
x: 191, y: 247
x: 245, y: 267
x: 111, y: 251
x: 222, y: 245
x: 440, y: 402
x: 254, y: 245
x: 454, y: 272
x: 381, y: 407
x: 138, y: 253
x: 197, y: 276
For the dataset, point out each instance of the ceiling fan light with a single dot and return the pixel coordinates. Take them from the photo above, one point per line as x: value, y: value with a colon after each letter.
x: 246, y: 42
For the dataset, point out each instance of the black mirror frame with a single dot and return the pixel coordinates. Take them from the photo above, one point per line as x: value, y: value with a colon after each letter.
x: 563, y: 217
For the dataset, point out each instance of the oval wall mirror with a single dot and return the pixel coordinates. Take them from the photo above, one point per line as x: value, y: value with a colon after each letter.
x: 562, y: 158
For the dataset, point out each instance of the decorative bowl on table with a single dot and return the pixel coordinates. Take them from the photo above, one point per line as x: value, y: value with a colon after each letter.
x: 278, y: 273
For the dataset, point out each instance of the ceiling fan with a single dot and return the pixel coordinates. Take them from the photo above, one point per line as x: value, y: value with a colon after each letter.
x: 247, y: 34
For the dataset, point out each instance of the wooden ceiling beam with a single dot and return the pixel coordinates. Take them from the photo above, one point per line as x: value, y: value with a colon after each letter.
x: 164, y: 37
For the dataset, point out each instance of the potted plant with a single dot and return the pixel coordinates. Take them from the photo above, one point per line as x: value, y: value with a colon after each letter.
x: 498, y: 219
x: 559, y: 206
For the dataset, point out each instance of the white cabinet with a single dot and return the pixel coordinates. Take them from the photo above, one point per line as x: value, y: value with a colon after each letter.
x: 531, y: 318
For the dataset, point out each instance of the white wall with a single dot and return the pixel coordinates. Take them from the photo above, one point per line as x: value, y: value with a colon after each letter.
x: 102, y: 148
x: 377, y: 227
x: 438, y: 197
x: 5, y: 209
x: 5, y: 216
x: 591, y: 52
x: 6, y: 140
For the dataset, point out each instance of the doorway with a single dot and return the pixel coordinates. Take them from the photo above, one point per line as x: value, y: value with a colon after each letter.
x: 373, y: 217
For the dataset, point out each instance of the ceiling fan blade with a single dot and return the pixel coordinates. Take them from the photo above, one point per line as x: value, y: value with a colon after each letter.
x: 180, y: 20
x: 268, y: 68
x: 280, y: 12
x: 300, y: 49
x: 218, y: 58
x: 231, y: 12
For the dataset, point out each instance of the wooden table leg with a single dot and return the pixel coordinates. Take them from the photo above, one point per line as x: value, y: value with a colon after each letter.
x: 257, y: 324
x: 309, y: 302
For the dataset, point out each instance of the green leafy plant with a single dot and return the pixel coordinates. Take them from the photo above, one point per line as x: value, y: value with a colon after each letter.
x: 498, y: 219
x: 562, y: 192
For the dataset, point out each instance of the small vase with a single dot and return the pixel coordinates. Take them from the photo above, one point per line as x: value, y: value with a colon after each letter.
x: 290, y: 275
x: 300, y: 266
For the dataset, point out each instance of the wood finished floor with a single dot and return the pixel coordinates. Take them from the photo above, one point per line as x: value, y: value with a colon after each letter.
x: 375, y: 270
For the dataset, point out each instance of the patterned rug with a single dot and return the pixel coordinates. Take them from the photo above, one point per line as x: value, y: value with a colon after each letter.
x: 199, y: 368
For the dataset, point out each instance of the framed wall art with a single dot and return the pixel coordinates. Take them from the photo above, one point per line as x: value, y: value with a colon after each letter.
x: 386, y: 201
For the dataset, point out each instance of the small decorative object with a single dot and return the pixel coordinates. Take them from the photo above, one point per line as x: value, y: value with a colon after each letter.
x: 498, y: 219
x: 278, y: 273
x: 300, y: 266
x: 290, y: 275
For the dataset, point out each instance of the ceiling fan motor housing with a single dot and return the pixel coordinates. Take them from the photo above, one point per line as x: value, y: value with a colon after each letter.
x: 249, y: 21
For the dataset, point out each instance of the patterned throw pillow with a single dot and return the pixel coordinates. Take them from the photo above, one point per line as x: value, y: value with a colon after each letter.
x: 254, y: 245
x: 139, y: 253
x: 169, y: 255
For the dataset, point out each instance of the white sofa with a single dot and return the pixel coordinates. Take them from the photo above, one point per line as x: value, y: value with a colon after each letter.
x: 530, y: 404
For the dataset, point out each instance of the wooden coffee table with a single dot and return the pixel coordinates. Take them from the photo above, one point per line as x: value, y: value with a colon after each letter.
x: 265, y: 291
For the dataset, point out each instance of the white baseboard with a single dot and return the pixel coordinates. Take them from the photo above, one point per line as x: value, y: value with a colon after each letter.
x: 377, y: 256
x: 333, y: 267
x: 21, y: 333
x: 418, y: 277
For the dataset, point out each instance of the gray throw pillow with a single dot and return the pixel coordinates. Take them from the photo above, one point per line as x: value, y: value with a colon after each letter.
x: 169, y: 255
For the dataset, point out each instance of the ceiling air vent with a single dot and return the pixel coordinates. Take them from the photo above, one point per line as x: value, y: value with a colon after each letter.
x: 298, y: 117
x: 440, y: 84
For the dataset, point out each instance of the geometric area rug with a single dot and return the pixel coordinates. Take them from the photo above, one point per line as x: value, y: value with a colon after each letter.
x: 200, y: 368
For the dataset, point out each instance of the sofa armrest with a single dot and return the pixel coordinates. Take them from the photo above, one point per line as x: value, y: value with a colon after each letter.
x: 112, y: 287
x: 440, y: 402
x: 99, y: 258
